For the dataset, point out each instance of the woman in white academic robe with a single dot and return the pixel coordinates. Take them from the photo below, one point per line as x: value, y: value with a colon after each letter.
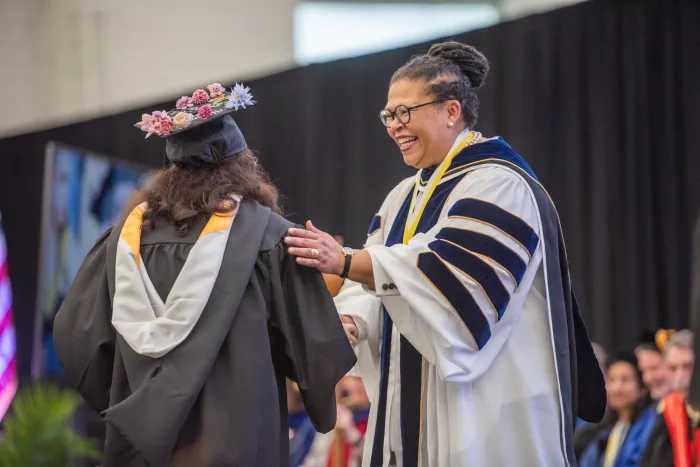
x: 470, y: 341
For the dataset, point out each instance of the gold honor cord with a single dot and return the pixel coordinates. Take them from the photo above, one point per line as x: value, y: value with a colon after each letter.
x: 410, y: 228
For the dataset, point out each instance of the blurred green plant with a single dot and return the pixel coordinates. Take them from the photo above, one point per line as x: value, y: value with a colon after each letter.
x: 38, y: 432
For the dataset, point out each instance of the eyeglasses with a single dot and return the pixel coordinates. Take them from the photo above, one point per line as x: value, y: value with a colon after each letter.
x: 401, y: 113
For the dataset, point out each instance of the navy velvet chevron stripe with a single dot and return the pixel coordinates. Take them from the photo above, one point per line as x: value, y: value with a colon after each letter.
x: 486, y: 246
x: 375, y: 225
x: 471, y: 208
x: 477, y: 269
x: 439, y: 274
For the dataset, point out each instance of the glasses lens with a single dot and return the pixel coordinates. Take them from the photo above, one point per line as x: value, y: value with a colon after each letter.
x: 403, y: 114
x: 385, y: 117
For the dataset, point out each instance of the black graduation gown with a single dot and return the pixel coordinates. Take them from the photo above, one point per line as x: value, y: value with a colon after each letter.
x: 218, y: 399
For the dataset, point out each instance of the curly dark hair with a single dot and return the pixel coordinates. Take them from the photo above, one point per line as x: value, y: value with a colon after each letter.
x: 181, y: 194
x: 451, y: 70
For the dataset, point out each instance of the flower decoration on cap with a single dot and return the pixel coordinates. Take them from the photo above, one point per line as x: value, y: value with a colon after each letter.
x: 204, y: 112
x: 159, y: 122
x: 200, y: 96
x: 215, y: 90
x: 193, y: 111
x: 184, y: 103
x: 182, y: 120
x: 240, y: 97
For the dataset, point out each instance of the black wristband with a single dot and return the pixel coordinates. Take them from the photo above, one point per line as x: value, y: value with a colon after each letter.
x: 346, y: 269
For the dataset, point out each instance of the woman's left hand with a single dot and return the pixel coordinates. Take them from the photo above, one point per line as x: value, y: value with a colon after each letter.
x: 316, y: 249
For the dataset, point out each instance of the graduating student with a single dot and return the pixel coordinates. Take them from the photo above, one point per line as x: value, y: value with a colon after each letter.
x: 185, y: 317
x: 471, y: 344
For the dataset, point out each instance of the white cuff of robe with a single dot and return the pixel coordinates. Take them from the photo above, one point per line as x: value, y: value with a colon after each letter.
x: 383, y: 283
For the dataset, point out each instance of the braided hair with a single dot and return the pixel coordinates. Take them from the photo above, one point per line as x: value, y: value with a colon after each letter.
x: 452, y: 71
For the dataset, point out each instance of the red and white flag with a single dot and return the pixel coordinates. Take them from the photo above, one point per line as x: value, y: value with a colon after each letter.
x: 8, y: 362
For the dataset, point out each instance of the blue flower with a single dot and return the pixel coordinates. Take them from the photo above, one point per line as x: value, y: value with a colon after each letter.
x: 240, y: 97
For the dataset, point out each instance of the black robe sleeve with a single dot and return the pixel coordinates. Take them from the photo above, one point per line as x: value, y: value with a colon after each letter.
x: 592, y: 397
x: 311, y: 342
x: 83, y: 334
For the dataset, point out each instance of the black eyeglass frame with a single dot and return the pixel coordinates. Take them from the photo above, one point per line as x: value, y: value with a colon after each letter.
x: 385, y: 113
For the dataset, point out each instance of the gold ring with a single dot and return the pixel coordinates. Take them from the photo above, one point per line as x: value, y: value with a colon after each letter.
x: 314, y: 252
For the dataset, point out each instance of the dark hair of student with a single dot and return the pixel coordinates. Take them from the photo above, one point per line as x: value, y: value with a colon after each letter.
x: 451, y: 70
x: 181, y: 195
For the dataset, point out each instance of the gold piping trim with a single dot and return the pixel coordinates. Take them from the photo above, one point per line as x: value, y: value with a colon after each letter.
x: 527, y: 252
x: 381, y: 224
x: 481, y: 258
x: 494, y: 239
x: 475, y: 281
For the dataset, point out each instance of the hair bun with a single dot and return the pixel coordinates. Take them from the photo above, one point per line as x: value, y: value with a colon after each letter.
x: 472, y: 63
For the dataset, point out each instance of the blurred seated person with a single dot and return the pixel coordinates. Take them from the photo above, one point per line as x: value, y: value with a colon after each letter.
x: 674, y: 440
x: 302, y: 433
x: 623, y: 433
x: 341, y: 447
x: 351, y: 425
x: 652, y: 364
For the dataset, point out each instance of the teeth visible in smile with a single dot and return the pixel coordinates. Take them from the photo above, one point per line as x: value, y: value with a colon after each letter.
x: 406, y: 140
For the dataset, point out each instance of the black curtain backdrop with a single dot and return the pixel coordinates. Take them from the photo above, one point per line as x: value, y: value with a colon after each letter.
x: 601, y: 98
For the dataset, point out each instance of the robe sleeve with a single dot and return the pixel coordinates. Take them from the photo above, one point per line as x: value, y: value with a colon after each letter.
x: 449, y: 290
x: 83, y: 335
x: 315, y: 351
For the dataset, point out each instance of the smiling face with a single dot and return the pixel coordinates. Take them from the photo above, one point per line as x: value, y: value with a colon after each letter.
x: 426, y: 139
x: 655, y: 373
x: 623, y: 385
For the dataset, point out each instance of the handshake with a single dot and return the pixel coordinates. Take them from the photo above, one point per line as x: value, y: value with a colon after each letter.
x: 350, y: 329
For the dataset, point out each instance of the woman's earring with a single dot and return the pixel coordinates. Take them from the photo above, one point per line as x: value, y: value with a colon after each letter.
x: 450, y: 124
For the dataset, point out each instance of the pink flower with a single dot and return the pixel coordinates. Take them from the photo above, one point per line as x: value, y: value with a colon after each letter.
x: 200, y: 96
x: 204, y: 112
x: 215, y: 90
x: 184, y: 103
x: 158, y: 122
x: 147, y: 124
x: 166, y: 126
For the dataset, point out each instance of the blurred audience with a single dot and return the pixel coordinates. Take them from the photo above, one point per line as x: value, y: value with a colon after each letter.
x: 343, y: 446
x: 680, y: 358
x: 302, y: 433
x: 619, y: 440
x: 675, y: 438
x: 655, y: 373
x: 353, y: 415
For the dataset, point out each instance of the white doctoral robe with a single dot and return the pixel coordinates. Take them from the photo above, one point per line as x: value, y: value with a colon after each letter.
x: 490, y: 392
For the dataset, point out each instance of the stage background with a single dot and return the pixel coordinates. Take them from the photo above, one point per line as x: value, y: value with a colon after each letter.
x: 600, y: 97
x: 85, y: 194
